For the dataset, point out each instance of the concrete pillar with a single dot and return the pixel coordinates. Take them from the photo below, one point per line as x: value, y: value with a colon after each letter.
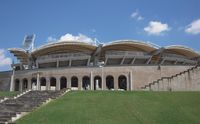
x: 102, y: 79
x: 29, y: 83
x: 68, y: 82
x: 104, y: 83
x: 57, y: 63
x: 20, y: 85
x: 91, y: 81
x: 115, y: 82
x: 79, y: 83
x: 57, y: 83
x: 48, y: 83
x: 131, y: 80
x: 38, y: 81
x: 12, y: 80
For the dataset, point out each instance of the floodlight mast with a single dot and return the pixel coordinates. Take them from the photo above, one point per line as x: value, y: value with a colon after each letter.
x: 28, y: 42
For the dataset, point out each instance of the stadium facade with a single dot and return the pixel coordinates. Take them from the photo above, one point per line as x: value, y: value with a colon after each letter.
x: 118, y: 65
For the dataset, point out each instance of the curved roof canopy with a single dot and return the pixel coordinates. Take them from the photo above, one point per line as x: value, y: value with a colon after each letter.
x: 63, y: 46
x: 129, y: 45
x: 21, y: 54
x: 182, y: 50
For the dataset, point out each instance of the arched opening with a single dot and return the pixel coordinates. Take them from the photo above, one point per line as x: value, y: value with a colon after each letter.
x: 97, y: 83
x: 63, y: 82
x: 43, y: 83
x: 86, y: 83
x: 122, y: 82
x: 52, y: 83
x: 110, y: 82
x: 25, y: 84
x: 17, y: 84
x: 74, y: 82
x: 33, y: 83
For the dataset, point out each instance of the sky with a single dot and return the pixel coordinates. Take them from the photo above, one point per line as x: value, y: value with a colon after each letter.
x: 160, y: 22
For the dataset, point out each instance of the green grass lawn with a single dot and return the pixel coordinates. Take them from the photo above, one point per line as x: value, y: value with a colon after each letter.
x: 104, y: 107
x: 7, y: 94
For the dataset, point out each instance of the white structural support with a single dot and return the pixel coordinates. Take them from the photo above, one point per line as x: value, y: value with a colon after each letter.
x: 91, y: 80
x: 38, y: 81
x: 12, y: 80
x: 102, y: 78
x: 131, y: 80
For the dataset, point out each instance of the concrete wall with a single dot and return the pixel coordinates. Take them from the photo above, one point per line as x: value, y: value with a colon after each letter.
x: 188, y: 80
x: 5, y: 80
x: 137, y: 76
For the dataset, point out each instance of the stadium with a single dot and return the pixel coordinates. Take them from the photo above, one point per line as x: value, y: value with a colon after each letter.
x: 118, y: 65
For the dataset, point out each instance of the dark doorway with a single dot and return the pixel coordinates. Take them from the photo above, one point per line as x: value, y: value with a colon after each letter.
x: 74, y: 81
x: 17, y: 82
x: 122, y: 82
x: 86, y: 83
x: 110, y: 82
x: 63, y: 82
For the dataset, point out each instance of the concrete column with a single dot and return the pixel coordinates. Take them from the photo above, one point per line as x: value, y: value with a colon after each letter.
x: 12, y: 80
x: 115, y: 82
x: 79, y: 82
x: 29, y: 83
x: 102, y: 79
x: 131, y: 80
x: 57, y: 83
x: 57, y: 63
x: 104, y: 83
x: 91, y: 81
x: 68, y: 82
x: 12, y: 83
x: 38, y: 81
x: 20, y: 85
x: 48, y: 83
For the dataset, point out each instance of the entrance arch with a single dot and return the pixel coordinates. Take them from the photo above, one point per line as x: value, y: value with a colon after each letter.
x: 122, y: 82
x: 110, y: 82
x: 17, y: 82
x: 52, y: 83
x: 74, y: 82
x: 86, y: 83
x: 25, y: 84
x: 43, y: 83
x: 33, y: 83
x: 63, y: 82
x: 97, y: 83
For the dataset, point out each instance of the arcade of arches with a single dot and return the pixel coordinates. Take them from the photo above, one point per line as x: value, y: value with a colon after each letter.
x: 110, y: 82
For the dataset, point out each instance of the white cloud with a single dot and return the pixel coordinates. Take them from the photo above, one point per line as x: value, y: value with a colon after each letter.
x: 156, y: 28
x: 194, y: 27
x: 80, y: 37
x: 70, y: 37
x: 136, y: 15
x: 51, y: 39
x: 140, y: 18
x: 4, y: 60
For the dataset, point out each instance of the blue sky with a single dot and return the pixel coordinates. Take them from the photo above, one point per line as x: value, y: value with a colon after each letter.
x: 161, y: 22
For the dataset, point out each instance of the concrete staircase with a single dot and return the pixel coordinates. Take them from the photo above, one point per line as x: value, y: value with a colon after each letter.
x: 13, y: 108
x: 188, y: 80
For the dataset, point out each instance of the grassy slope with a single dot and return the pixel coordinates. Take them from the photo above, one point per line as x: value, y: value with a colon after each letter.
x: 119, y: 108
x: 7, y: 93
